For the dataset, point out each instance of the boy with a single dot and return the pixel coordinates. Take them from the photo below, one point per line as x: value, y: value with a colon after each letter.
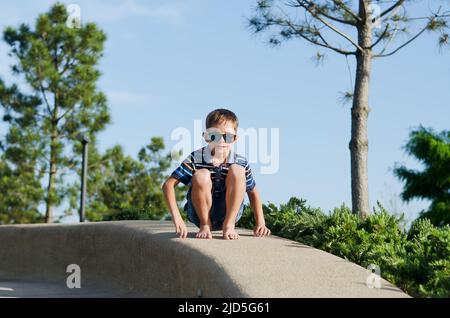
x: 218, y: 179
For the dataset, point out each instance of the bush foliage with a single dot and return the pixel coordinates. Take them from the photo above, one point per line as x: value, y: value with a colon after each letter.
x: 416, y: 260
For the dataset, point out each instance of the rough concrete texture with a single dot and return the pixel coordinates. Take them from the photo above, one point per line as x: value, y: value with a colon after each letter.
x: 146, y: 259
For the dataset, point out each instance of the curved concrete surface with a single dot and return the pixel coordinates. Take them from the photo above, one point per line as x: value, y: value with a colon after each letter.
x: 146, y: 259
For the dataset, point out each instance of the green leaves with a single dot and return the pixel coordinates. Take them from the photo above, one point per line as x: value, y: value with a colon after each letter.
x: 433, y: 183
x: 418, y: 260
x: 121, y: 187
x: 60, y: 66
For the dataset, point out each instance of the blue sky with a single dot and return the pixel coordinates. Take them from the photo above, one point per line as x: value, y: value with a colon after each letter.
x: 168, y: 63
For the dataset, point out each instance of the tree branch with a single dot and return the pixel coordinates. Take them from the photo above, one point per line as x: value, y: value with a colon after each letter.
x: 403, y: 45
x: 394, y: 6
x: 70, y: 61
x: 329, y: 16
x: 336, y: 19
x: 41, y: 88
x: 67, y: 66
x: 45, y: 98
x: 381, y: 37
x: 325, y: 44
x: 347, y: 9
x: 427, y: 17
x: 65, y: 113
x: 332, y: 27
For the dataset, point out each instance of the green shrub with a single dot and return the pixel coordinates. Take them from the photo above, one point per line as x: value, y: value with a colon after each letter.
x: 130, y: 214
x: 418, y: 260
x: 137, y: 214
x: 427, y: 265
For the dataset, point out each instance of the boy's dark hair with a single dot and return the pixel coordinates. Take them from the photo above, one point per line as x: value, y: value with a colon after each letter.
x: 219, y: 115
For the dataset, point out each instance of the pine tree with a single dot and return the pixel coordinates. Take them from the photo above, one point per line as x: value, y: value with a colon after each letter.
x: 59, y: 63
x: 433, y: 182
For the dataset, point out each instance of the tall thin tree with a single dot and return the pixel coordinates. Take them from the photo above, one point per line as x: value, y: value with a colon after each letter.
x: 364, y: 29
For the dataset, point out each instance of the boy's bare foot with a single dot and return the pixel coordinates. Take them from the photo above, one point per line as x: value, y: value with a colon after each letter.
x: 204, y: 233
x: 229, y: 233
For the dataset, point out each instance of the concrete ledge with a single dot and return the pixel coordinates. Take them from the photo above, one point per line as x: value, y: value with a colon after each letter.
x: 145, y: 259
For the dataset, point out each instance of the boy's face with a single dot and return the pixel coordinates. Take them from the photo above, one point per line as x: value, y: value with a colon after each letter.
x: 214, y: 137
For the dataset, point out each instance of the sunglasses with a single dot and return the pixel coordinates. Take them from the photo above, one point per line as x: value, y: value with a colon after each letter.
x: 216, y: 136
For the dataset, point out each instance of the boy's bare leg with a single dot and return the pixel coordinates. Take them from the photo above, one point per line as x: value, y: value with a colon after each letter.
x: 202, y: 200
x: 234, y: 197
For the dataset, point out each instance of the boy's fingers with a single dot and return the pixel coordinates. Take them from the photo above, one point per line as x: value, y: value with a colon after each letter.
x: 181, y: 231
x: 261, y: 231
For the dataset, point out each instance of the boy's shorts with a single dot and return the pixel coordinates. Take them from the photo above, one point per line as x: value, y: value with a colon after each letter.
x: 218, y: 211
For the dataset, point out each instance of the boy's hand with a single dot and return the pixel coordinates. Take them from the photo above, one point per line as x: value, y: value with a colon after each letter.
x: 180, y: 228
x: 261, y: 230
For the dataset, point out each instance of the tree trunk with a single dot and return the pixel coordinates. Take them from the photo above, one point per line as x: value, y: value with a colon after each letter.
x: 51, y: 178
x: 359, y: 144
x: 53, y: 168
x: 53, y: 148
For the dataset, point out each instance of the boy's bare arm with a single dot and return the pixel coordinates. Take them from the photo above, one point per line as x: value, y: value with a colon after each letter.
x: 256, y: 204
x: 169, y: 195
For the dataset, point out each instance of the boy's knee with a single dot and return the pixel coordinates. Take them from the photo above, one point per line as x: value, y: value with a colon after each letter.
x: 202, y: 177
x: 236, y: 172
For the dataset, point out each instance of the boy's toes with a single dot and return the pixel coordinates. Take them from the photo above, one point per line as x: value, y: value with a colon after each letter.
x: 204, y: 235
x: 230, y: 236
